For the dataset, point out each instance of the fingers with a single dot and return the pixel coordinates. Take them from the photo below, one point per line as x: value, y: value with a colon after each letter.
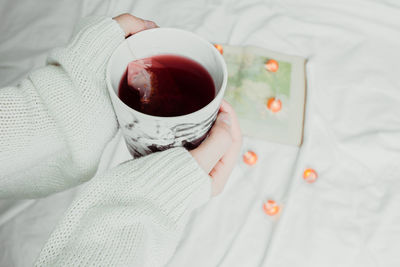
x: 218, y: 154
x: 216, y: 145
x: 131, y: 24
x: 222, y: 170
x: 236, y: 132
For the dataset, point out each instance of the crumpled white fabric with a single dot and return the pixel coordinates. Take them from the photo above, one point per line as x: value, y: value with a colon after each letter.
x: 349, y: 217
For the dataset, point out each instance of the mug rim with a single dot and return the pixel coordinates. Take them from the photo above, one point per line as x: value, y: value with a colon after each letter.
x: 186, y: 116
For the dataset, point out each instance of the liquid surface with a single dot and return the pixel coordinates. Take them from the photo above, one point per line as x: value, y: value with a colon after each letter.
x: 166, y: 86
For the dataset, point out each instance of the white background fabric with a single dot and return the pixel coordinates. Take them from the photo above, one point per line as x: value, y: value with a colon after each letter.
x: 349, y: 217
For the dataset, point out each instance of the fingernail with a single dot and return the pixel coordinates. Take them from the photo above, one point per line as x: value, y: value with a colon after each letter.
x: 225, y: 118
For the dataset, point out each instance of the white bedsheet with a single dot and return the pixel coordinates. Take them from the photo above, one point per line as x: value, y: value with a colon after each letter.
x: 349, y: 217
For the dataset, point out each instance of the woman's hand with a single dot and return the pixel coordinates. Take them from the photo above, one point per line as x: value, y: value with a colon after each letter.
x: 131, y: 24
x: 217, y: 155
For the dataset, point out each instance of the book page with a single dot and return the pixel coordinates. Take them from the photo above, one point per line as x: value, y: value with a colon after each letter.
x: 251, y: 86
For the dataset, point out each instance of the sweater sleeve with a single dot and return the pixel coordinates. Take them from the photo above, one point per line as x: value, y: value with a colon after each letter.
x: 131, y: 216
x: 56, y: 123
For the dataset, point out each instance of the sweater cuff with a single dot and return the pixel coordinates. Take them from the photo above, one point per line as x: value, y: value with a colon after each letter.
x: 149, y: 199
x: 176, y: 182
x: 191, y: 185
x: 94, y: 40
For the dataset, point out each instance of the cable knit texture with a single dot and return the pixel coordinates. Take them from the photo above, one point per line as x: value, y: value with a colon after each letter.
x: 131, y: 216
x: 54, y: 127
x: 56, y: 123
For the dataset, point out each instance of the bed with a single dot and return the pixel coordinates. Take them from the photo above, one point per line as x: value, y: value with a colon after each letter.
x: 349, y: 217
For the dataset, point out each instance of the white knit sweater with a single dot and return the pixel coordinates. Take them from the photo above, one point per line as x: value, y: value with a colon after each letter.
x: 54, y: 127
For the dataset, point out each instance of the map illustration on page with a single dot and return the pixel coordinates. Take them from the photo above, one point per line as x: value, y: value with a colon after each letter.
x: 267, y: 90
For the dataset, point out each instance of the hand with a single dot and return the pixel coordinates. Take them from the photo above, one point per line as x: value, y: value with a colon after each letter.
x: 217, y: 155
x: 131, y: 24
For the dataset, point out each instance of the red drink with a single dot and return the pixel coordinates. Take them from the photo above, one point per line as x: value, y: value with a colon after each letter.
x: 169, y: 85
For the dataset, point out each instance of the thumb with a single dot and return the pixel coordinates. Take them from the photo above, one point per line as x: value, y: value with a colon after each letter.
x: 216, y: 144
x: 131, y: 24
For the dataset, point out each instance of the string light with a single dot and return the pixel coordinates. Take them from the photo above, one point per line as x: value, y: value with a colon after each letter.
x: 250, y: 158
x: 274, y: 104
x: 272, y: 65
x: 310, y: 175
x: 271, y: 208
x: 219, y: 48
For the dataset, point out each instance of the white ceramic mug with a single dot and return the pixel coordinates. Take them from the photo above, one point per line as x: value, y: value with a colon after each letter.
x: 144, y: 133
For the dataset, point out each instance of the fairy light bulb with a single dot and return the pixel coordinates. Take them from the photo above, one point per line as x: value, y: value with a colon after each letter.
x: 219, y: 48
x: 250, y: 158
x: 272, y: 65
x: 310, y: 175
x: 274, y: 104
x: 271, y: 208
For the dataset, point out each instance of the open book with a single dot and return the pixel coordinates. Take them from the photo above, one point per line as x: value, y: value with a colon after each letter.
x: 267, y: 90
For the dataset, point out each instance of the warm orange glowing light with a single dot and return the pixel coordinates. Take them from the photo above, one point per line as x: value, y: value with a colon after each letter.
x: 250, y: 158
x: 219, y: 48
x: 271, y: 208
x: 274, y: 104
x: 310, y: 175
x: 272, y: 65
